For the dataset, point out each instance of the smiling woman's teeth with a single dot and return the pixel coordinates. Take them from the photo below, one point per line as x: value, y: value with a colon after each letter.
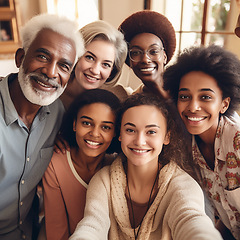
x: 92, y: 143
x: 147, y: 69
x: 195, y: 119
x: 139, y: 151
x: 91, y: 78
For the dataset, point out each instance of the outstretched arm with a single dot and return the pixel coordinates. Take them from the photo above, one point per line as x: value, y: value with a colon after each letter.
x: 186, y: 214
x: 96, y: 222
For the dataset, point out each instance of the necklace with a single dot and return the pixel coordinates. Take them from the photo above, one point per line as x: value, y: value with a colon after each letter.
x: 148, y: 206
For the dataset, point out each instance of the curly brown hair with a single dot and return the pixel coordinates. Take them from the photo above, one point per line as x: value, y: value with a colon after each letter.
x: 177, y: 149
x: 213, y: 60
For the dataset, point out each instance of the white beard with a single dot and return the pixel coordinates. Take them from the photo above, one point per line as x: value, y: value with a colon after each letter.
x: 34, y: 95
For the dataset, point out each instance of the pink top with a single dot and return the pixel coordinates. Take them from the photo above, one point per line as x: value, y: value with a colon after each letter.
x: 64, y: 197
x: 223, y: 184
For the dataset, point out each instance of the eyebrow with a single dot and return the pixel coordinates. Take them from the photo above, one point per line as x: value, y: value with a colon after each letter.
x: 147, y: 126
x: 93, y: 120
x: 96, y: 56
x: 201, y: 90
x: 45, y: 51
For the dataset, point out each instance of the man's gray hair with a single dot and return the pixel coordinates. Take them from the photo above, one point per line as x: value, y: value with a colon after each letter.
x: 58, y: 24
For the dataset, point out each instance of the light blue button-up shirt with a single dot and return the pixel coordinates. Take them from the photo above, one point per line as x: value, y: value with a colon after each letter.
x: 24, y: 157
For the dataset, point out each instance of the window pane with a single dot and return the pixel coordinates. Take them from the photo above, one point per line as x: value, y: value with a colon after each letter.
x: 215, y: 39
x: 87, y: 11
x: 219, y: 39
x: 218, y: 15
x: 189, y: 39
x: 173, y: 14
x: 192, y: 15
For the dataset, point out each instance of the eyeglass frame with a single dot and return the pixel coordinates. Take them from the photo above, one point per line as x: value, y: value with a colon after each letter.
x: 146, y: 52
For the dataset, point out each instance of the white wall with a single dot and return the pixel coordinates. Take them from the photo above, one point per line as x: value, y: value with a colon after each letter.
x: 114, y: 12
x: 7, y: 66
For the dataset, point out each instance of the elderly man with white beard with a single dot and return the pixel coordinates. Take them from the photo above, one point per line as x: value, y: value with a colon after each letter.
x: 31, y: 114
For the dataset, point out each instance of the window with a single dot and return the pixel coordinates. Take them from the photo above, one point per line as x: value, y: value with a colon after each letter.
x: 81, y: 10
x: 199, y: 22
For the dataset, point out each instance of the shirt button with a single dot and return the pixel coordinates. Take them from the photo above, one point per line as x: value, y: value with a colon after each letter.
x: 22, y: 181
x: 28, y: 159
x: 21, y: 203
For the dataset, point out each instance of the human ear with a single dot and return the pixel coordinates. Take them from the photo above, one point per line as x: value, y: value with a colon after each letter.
x: 119, y: 138
x: 167, y: 138
x: 164, y: 58
x: 19, y: 56
x: 74, y: 126
x: 225, y: 105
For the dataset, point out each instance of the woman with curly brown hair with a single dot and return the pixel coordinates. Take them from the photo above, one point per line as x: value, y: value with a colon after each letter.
x: 205, y: 85
x: 144, y: 194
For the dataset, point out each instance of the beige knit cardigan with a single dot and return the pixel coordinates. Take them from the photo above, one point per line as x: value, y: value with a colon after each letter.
x: 176, y: 213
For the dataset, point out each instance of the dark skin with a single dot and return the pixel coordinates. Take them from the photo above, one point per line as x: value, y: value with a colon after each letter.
x: 61, y: 146
x: 26, y: 110
x: 207, y: 151
x: 86, y: 169
x: 51, y: 55
x: 152, y: 76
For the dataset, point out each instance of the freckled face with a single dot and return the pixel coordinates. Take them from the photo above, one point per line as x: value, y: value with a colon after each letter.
x: 95, y: 66
x: 200, y: 102
x: 95, y: 129
x: 143, y: 133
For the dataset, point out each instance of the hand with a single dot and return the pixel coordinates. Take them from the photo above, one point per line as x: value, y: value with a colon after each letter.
x: 61, y: 145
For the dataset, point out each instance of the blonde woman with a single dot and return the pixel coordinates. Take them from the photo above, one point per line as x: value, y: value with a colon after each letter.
x: 101, y: 64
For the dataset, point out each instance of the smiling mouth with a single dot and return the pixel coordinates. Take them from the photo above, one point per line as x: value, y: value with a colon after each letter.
x: 150, y: 69
x: 42, y: 84
x: 195, y: 119
x: 139, y: 150
x: 91, y: 143
x: 90, y: 78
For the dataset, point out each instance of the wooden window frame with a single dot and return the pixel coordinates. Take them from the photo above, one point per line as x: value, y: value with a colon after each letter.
x: 204, y: 32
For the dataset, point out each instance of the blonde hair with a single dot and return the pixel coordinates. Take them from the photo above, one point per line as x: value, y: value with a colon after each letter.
x: 61, y: 25
x: 103, y: 30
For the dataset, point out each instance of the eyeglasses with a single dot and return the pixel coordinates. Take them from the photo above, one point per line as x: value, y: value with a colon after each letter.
x: 153, y: 54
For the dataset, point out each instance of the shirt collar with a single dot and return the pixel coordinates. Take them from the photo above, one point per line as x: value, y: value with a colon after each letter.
x: 9, y: 111
x: 218, y: 146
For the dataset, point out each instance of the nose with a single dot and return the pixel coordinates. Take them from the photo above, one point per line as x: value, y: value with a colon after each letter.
x: 95, y: 131
x: 140, y: 139
x: 194, y: 106
x: 95, y: 69
x: 50, y: 70
x: 145, y: 57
